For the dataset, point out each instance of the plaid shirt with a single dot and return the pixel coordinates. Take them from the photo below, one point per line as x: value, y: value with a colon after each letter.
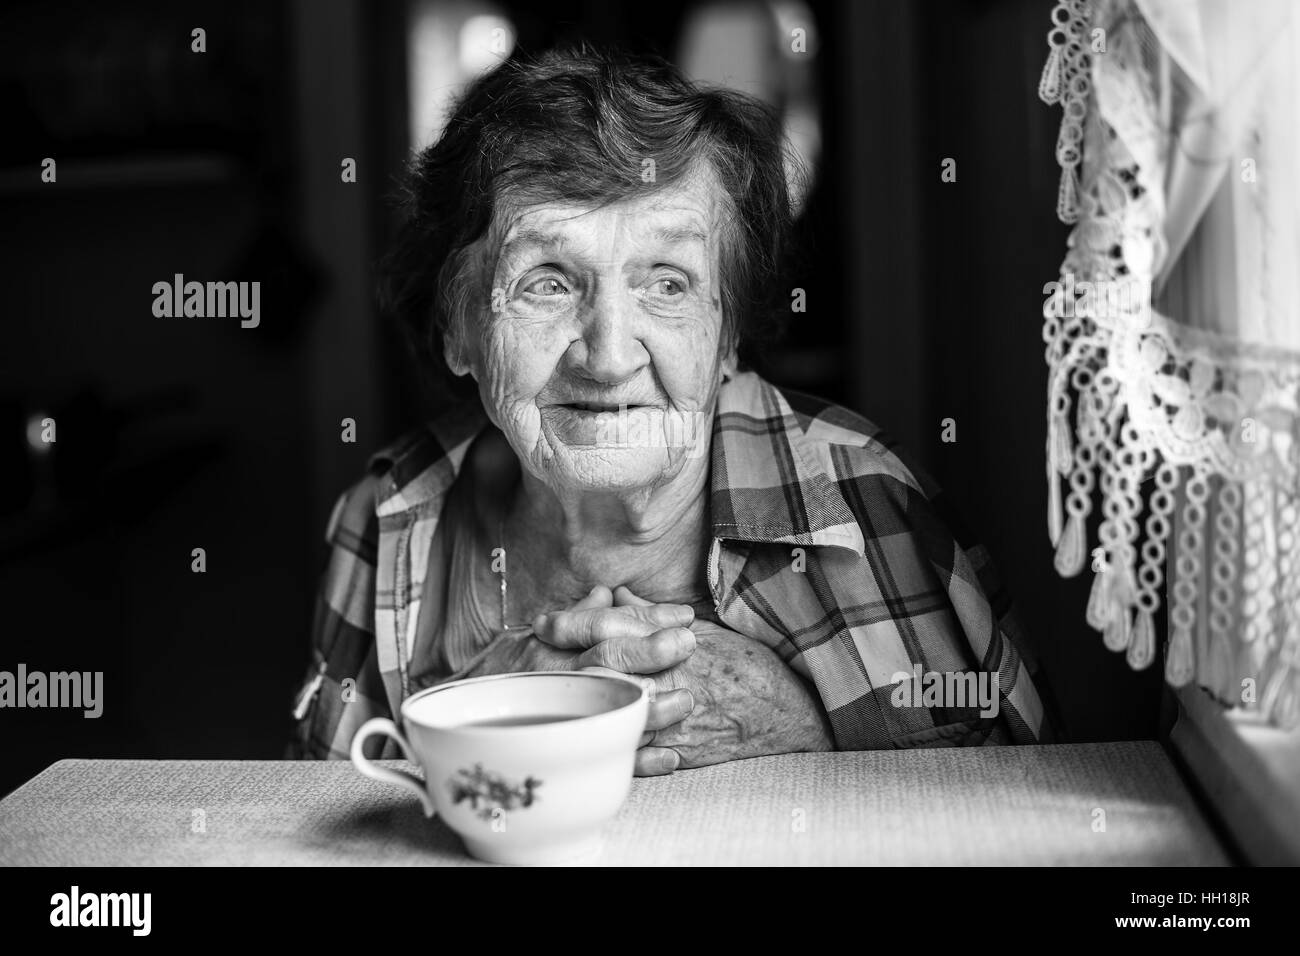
x: 826, y: 547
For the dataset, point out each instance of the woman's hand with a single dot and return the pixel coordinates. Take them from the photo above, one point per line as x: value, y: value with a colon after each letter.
x: 747, y: 702
x: 718, y: 695
x: 634, y: 640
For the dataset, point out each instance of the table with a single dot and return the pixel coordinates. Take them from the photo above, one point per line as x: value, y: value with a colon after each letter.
x: 997, y: 805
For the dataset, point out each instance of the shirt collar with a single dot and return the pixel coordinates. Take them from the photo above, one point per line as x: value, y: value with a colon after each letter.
x: 769, y: 481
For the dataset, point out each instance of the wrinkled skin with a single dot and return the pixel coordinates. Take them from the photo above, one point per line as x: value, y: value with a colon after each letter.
x: 613, y: 306
x: 716, y: 695
x: 599, y: 356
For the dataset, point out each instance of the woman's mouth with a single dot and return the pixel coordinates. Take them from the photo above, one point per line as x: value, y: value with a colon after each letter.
x: 592, y: 407
x: 603, y: 424
x: 597, y: 408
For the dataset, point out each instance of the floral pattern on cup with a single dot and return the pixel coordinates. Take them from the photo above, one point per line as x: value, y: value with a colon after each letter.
x: 488, y: 792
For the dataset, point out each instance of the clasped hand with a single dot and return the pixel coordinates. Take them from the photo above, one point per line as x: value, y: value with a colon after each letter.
x: 716, y: 695
x: 615, y: 631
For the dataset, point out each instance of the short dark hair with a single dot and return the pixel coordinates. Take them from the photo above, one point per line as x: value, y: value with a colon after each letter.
x: 576, y: 125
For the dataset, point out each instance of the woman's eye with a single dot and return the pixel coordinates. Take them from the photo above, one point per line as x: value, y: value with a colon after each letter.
x: 547, y: 286
x: 667, y: 287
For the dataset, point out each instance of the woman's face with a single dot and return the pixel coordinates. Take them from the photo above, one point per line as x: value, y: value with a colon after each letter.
x: 601, y: 352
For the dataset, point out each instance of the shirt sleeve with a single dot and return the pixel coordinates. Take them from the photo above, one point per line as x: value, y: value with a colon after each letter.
x: 910, y: 643
x: 342, y: 687
x: 945, y: 621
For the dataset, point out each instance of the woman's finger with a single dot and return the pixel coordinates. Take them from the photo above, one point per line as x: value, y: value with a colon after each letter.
x: 587, y: 627
x: 656, y: 761
x: 641, y: 654
x: 599, y: 596
x: 623, y: 597
x: 670, y: 708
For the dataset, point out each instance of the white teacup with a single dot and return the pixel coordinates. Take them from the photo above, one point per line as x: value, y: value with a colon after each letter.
x: 526, y: 768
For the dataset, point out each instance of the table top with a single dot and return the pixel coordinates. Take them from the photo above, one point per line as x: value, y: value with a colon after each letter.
x: 981, y: 806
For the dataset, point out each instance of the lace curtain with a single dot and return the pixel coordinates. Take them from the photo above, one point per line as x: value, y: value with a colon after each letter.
x: 1173, y: 336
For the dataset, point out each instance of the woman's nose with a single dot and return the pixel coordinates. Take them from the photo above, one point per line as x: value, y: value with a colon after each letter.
x: 610, y: 349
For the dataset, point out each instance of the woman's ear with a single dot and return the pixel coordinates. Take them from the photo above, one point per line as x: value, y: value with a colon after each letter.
x: 466, y: 316
x: 455, y: 350
x: 729, y: 363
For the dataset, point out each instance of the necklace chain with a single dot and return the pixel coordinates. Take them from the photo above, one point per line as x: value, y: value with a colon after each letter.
x: 505, y: 586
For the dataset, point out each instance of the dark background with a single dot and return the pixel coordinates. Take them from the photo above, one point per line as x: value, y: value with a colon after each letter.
x: 924, y: 303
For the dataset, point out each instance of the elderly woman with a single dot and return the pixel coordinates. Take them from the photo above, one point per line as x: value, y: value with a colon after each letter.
x: 589, y: 245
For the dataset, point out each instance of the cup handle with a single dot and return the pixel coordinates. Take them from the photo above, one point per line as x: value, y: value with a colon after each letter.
x: 386, y: 728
